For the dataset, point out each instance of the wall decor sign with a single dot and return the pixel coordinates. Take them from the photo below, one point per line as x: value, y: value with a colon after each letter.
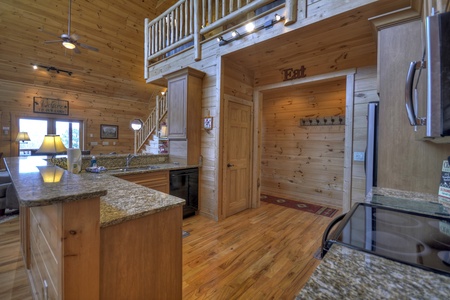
x: 208, y: 123
x: 109, y: 131
x: 290, y: 74
x: 50, y: 106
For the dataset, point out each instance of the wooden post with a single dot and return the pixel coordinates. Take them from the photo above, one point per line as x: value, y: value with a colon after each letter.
x: 146, y: 49
x: 291, y: 11
x: 157, y: 115
x: 197, y: 46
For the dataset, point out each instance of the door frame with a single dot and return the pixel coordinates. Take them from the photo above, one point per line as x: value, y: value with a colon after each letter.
x: 258, y: 98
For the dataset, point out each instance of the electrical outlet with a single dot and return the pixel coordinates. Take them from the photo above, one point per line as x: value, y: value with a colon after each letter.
x: 358, y: 156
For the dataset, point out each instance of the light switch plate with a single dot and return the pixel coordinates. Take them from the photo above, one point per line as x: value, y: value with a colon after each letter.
x: 358, y: 156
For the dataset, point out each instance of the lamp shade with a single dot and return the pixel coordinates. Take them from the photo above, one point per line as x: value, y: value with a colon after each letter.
x: 52, y: 144
x: 22, y: 136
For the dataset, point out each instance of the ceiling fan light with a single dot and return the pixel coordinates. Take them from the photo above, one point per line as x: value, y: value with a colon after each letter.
x: 69, y: 45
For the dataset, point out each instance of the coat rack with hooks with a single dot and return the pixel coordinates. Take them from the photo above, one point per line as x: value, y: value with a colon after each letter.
x: 323, y: 121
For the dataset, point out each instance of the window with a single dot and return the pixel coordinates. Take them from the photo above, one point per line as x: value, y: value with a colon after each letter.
x: 69, y: 130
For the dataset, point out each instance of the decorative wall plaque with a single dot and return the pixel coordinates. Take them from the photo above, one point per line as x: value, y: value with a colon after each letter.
x: 50, y: 106
x: 290, y: 74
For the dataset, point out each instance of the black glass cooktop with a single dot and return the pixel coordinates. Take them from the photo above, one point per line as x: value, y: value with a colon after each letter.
x: 408, y: 237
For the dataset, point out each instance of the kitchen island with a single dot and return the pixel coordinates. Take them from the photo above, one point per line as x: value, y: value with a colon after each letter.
x: 95, y: 236
x: 346, y: 273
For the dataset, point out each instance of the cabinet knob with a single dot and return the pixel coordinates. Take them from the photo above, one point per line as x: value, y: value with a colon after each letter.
x: 230, y: 165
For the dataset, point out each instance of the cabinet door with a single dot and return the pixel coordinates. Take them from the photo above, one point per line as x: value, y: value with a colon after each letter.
x: 155, y: 180
x: 177, y: 100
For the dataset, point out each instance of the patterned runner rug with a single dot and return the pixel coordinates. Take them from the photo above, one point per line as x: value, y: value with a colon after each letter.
x: 308, y: 207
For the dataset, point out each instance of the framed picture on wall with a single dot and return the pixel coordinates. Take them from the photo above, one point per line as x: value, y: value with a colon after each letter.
x: 109, y: 131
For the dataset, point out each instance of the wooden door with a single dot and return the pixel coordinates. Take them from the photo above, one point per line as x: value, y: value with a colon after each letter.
x: 237, y: 157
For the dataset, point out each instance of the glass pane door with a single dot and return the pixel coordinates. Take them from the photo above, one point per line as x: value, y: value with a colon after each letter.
x: 69, y: 132
x: 36, y: 130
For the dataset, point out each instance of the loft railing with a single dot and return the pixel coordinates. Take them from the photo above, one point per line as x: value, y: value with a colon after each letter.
x: 151, y: 125
x: 184, y: 23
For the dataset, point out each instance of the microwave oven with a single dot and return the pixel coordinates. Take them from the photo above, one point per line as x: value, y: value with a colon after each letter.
x: 436, y: 124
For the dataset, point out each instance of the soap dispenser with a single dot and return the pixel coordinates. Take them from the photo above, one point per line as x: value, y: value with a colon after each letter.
x: 93, y: 162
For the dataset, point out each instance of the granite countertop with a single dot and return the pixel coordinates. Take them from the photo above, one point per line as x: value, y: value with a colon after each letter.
x: 345, y: 273
x: 149, y: 168
x: 120, y: 200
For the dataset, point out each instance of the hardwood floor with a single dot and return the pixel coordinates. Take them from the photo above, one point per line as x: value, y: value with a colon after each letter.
x: 263, y: 253
x: 13, y: 278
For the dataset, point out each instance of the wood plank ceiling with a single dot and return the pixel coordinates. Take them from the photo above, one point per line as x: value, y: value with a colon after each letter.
x: 347, y: 40
x: 116, y: 28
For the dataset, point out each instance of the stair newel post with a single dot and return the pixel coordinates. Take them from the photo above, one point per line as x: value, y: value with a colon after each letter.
x: 157, y: 116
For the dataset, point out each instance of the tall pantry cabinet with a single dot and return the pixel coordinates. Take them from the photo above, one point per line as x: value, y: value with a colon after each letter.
x: 184, y: 114
x: 404, y: 161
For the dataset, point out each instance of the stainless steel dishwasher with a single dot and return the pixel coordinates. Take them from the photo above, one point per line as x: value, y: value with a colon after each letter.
x: 184, y: 184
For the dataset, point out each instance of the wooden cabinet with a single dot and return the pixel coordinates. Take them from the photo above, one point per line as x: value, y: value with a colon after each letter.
x: 61, y: 244
x: 142, y: 258
x: 403, y: 162
x: 184, y: 99
x: 155, y: 180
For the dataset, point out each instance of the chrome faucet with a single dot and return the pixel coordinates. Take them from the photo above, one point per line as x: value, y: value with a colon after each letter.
x: 129, y: 158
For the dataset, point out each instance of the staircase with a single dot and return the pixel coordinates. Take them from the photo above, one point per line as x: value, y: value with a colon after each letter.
x: 151, y: 127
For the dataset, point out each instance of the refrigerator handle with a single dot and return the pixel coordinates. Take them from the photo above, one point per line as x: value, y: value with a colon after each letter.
x: 410, y: 95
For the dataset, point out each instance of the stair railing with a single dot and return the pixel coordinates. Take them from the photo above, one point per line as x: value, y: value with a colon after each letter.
x: 184, y: 24
x: 151, y: 124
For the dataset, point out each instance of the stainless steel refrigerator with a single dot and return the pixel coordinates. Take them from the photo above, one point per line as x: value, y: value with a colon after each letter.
x: 372, y: 146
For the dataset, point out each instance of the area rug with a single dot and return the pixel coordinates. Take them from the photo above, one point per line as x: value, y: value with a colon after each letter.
x: 9, y: 215
x: 308, y: 207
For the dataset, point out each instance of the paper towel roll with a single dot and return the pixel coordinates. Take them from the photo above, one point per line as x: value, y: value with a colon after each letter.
x: 74, y: 160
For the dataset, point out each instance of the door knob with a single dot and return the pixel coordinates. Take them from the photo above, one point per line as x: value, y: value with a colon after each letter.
x: 230, y: 165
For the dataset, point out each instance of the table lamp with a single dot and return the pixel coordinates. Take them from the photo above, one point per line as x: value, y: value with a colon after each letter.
x: 52, y: 145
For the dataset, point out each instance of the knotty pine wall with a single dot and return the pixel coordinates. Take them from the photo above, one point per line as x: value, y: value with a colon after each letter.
x: 17, y: 101
x: 303, y: 163
x: 365, y: 92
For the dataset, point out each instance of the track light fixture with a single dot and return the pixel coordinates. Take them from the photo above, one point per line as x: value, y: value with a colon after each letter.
x: 49, y: 68
x: 250, y: 28
x: 221, y: 41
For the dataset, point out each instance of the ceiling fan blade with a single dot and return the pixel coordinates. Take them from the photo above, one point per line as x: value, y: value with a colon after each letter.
x: 74, y: 37
x: 76, y: 50
x: 88, y: 47
x: 54, y: 41
x: 49, y: 33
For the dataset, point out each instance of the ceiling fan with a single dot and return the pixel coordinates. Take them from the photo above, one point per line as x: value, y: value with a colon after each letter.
x: 70, y: 41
